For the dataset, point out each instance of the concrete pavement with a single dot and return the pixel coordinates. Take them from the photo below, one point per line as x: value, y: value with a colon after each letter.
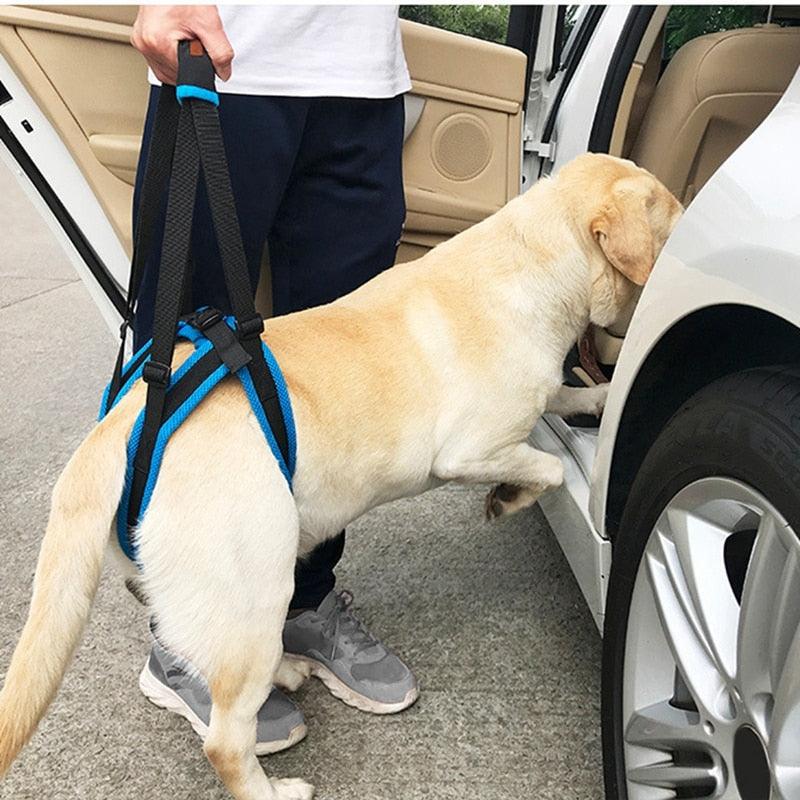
x: 488, y: 615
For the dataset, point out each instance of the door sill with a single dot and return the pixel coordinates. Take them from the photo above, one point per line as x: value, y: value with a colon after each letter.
x: 567, y: 508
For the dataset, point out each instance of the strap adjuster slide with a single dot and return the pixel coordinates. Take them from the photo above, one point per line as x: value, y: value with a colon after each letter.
x: 156, y: 373
x: 212, y: 325
x: 204, y: 319
x: 251, y: 327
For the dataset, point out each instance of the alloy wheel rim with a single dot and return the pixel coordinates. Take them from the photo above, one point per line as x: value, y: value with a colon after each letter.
x: 711, y: 684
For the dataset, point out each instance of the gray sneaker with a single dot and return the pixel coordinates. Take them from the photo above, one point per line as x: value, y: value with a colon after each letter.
x: 167, y: 682
x: 348, y: 659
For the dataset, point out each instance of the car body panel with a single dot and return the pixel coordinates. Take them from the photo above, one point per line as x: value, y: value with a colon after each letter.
x: 52, y: 159
x: 738, y: 243
x: 575, y: 115
x: 746, y: 215
x: 567, y: 509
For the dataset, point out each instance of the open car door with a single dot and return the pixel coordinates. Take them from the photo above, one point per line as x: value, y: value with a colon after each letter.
x: 73, y: 94
x: 461, y: 160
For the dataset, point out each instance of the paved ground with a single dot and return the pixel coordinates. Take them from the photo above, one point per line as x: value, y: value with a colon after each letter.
x: 488, y: 615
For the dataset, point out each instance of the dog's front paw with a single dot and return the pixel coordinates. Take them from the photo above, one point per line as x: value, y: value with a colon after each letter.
x: 292, y: 789
x: 501, y: 500
x: 597, y: 396
x: 292, y: 673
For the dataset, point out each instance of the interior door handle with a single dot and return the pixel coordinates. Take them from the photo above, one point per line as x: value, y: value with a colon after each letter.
x: 414, y: 105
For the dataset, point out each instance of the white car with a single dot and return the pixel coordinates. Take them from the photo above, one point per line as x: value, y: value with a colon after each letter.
x: 680, y: 514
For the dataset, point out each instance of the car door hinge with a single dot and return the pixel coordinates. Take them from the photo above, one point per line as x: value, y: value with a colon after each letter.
x: 542, y: 149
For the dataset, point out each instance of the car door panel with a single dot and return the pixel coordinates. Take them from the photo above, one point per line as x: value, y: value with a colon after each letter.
x: 462, y: 160
x: 79, y: 67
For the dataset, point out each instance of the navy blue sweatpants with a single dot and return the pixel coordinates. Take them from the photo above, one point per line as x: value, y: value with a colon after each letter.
x: 318, y: 181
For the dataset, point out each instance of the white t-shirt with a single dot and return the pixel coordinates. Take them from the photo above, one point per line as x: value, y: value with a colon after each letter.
x: 314, y: 51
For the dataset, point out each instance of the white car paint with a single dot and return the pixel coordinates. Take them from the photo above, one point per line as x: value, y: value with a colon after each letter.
x: 567, y: 509
x: 746, y: 220
x: 577, y: 111
x: 739, y: 243
x: 573, y: 122
x: 53, y: 160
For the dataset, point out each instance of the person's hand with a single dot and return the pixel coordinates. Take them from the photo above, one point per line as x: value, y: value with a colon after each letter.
x: 158, y: 29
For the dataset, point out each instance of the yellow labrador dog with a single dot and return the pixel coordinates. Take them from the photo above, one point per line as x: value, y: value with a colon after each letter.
x: 434, y: 371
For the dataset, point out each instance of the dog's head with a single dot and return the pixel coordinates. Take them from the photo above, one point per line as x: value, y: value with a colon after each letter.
x: 626, y: 215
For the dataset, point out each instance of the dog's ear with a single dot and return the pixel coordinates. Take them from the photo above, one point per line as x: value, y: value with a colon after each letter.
x: 622, y: 229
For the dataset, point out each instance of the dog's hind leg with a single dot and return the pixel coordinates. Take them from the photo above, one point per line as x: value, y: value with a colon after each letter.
x: 230, y: 629
x: 237, y: 692
x: 218, y: 547
x: 292, y: 674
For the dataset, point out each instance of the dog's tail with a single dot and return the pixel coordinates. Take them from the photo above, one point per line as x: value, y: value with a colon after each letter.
x: 85, y: 500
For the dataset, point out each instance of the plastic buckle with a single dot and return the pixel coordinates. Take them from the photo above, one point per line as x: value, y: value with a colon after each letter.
x: 206, y: 318
x: 156, y: 373
x: 250, y: 328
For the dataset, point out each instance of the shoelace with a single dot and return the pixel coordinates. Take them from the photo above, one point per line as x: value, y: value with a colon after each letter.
x: 342, y: 622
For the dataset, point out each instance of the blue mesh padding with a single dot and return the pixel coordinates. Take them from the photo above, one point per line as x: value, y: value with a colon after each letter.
x: 145, y: 346
x: 186, y: 90
x: 126, y: 542
x: 286, y: 405
x: 187, y: 331
x: 172, y: 424
x: 258, y: 410
x: 104, y: 402
x: 202, y: 345
x: 133, y: 446
x: 129, y: 381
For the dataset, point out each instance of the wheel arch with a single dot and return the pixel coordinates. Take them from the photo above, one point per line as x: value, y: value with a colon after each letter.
x: 699, y: 348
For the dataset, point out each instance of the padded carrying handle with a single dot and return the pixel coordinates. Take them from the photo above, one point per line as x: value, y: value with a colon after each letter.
x: 195, y: 73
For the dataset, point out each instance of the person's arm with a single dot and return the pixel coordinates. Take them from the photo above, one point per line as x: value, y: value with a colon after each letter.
x: 158, y: 29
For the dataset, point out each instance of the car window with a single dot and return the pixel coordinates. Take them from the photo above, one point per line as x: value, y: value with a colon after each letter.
x: 688, y: 22
x: 574, y: 22
x: 573, y: 17
x: 482, y: 21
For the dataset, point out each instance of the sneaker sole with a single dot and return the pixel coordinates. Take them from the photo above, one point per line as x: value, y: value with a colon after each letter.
x: 164, y: 697
x: 340, y: 690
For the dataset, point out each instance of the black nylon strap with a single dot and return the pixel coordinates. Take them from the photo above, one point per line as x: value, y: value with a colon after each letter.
x: 135, y: 364
x: 171, y: 283
x: 267, y: 394
x: 123, y: 375
x: 223, y: 209
x: 174, y: 399
x: 154, y: 185
x: 234, y: 264
x: 194, y: 66
x: 216, y: 330
x: 117, y: 378
x: 184, y: 138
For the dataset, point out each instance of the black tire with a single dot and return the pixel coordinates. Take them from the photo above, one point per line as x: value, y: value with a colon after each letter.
x: 744, y: 426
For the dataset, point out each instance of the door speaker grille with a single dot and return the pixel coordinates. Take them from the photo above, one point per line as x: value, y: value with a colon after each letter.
x: 461, y: 147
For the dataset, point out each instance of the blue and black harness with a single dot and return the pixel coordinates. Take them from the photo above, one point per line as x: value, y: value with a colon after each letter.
x: 186, y: 138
